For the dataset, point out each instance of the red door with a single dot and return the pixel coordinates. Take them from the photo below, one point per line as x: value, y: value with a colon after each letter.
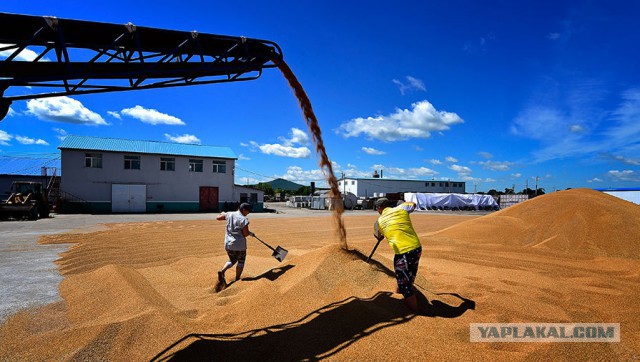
x: 208, y: 198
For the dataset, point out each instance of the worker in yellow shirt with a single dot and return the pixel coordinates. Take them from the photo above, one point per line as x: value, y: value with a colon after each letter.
x: 394, y: 224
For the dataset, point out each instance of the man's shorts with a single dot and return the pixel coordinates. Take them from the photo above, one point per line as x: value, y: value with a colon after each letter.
x: 406, y: 268
x: 236, y: 256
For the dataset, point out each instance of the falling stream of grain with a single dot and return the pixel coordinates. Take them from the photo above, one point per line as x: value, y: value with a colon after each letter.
x: 324, y: 162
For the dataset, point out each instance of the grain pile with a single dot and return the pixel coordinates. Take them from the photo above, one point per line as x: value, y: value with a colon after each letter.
x: 144, y: 291
x: 572, y: 221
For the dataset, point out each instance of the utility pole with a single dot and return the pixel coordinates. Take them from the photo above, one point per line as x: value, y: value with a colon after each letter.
x: 536, y: 186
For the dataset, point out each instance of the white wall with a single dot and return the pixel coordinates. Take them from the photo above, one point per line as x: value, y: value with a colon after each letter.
x: 94, y: 184
x: 631, y: 196
x: 375, y: 187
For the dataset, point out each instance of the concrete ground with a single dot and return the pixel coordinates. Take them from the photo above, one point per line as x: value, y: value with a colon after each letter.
x: 28, y: 275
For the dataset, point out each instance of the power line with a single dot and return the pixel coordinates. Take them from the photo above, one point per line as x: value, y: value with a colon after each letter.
x: 273, y: 177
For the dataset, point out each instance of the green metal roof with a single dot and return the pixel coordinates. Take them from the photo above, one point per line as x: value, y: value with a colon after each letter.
x: 148, y: 147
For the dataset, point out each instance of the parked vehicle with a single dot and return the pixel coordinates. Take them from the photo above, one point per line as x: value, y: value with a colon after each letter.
x: 27, y: 201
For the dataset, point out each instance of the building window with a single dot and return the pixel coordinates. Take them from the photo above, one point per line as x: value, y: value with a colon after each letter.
x: 433, y: 184
x: 353, y: 182
x: 243, y: 197
x: 167, y: 164
x: 93, y: 160
x: 253, y: 198
x: 219, y: 167
x: 131, y: 162
x: 195, y: 165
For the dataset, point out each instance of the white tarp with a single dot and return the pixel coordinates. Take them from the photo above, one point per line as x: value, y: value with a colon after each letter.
x: 436, y: 200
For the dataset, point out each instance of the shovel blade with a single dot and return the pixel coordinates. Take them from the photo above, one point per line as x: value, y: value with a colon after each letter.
x: 280, y: 253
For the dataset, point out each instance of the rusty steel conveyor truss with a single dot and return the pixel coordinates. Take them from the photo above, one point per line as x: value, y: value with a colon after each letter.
x: 69, y: 57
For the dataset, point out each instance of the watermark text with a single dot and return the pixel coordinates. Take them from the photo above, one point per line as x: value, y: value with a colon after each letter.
x: 544, y: 332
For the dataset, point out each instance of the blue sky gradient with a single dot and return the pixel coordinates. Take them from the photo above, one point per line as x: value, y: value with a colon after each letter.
x: 494, y: 93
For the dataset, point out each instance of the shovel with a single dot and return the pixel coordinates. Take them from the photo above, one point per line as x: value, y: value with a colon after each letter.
x: 373, y: 251
x: 278, y: 253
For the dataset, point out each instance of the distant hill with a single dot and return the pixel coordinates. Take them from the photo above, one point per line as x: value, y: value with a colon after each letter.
x: 284, y: 185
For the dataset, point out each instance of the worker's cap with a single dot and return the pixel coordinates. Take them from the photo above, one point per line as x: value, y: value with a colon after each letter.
x: 246, y: 206
x: 382, y: 202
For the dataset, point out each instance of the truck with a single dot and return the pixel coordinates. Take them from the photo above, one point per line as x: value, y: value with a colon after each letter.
x: 27, y: 200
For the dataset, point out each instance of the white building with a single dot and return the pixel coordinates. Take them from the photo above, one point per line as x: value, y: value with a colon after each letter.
x: 631, y: 194
x: 103, y: 175
x: 377, y: 187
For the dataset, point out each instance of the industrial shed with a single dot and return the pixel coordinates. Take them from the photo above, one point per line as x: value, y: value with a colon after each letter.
x: 105, y: 175
x: 378, y: 187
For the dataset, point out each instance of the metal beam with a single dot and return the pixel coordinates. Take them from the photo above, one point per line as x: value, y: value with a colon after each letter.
x: 71, y: 57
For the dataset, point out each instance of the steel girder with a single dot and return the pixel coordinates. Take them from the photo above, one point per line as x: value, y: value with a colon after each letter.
x: 69, y: 57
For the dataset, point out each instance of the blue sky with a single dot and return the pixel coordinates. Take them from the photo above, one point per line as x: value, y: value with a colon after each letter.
x: 494, y: 93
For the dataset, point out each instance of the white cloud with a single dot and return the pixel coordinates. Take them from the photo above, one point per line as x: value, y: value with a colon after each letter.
x: 30, y: 141
x: 405, y: 173
x: 372, y: 151
x: 626, y: 128
x: 151, y: 116
x: 5, y: 138
x: 496, y: 165
x: 11, y: 112
x: 185, y: 138
x: 516, y: 175
x: 486, y: 155
x: 288, y: 147
x: 461, y: 170
x: 298, y: 136
x: 467, y: 178
x: 435, y: 162
x: 285, y: 151
x: 114, y: 114
x: 451, y: 159
x: 553, y: 36
x: 298, y: 175
x: 25, y: 54
x: 576, y: 128
x: 412, y: 84
x: 61, y: 133
x: 403, y: 124
x: 540, y: 123
x: 626, y: 160
x: 595, y: 179
x: 624, y: 175
x: 65, y: 110
x: 417, y: 148
x: 242, y: 157
x: 562, y: 134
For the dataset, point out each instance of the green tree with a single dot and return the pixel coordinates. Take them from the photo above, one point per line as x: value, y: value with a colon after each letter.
x: 304, y: 190
x: 268, y: 190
